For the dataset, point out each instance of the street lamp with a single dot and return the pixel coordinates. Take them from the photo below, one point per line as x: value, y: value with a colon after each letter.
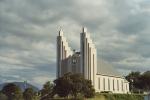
x: 131, y: 85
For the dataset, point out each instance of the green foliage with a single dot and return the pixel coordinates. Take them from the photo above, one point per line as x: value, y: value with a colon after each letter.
x: 29, y: 94
x: 145, y: 81
x: 134, y: 80
x: 88, y: 89
x: 76, y: 83
x: 47, y: 91
x: 73, y: 84
x: 63, y: 85
x: 3, y: 96
x: 12, y: 91
x: 123, y: 97
x: 117, y: 97
x: 139, y: 82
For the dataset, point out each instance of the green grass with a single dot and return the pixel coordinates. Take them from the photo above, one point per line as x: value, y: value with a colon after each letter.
x: 117, y: 97
x: 105, y: 96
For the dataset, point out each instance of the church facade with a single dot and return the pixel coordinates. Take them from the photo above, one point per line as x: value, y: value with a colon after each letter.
x: 104, y: 78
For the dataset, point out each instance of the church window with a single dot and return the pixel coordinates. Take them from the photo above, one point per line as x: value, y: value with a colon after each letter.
x: 65, y: 53
x: 88, y: 61
x: 93, y: 67
x: 99, y: 82
x: 122, y: 85
x: 118, y: 85
x: 62, y: 50
x: 104, y: 83
x: 108, y: 84
x: 113, y: 84
x: 74, y: 60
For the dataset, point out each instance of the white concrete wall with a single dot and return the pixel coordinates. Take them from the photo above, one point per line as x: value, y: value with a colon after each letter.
x: 105, y: 83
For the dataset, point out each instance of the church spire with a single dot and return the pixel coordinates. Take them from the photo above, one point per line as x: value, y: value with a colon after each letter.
x: 60, y: 32
x: 84, y: 29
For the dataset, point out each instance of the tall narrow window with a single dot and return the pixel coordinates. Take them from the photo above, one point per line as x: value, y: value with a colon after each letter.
x: 86, y: 57
x: 122, y: 85
x: 93, y: 68
x: 113, y: 84
x: 89, y: 62
x: 99, y: 83
x: 118, y: 85
x: 108, y: 84
x: 62, y: 50
x: 65, y: 54
x: 104, y: 83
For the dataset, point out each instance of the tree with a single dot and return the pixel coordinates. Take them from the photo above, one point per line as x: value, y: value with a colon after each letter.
x: 77, y: 81
x: 46, y: 91
x: 73, y: 84
x: 134, y: 79
x: 88, y: 89
x: 139, y: 82
x: 29, y: 94
x: 145, y: 80
x: 12, y: 91
x: 63, y: 85
x: 3, y: 96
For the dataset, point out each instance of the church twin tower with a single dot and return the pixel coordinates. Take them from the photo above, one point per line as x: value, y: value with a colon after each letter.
x: 84, y: 62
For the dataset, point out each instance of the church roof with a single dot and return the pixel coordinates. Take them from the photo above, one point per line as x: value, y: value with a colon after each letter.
x: 106, y: 69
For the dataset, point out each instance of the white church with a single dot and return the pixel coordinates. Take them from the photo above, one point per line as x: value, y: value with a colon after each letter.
x: 104, y: 78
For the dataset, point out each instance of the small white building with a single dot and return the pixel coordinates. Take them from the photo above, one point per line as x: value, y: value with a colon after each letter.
x: 104, y: 78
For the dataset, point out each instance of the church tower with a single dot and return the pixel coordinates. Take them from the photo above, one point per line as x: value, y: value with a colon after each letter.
x: 88, y: 56
x: 84, y: 62
x: 63, y: 54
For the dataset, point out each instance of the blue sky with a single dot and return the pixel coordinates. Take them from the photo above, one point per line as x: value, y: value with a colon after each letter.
x: 28, y: 30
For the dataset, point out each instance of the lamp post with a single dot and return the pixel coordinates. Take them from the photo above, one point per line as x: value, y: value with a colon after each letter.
x: 131, y: 85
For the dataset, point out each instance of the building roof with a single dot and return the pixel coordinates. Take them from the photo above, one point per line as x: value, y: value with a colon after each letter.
x: 106, y: 69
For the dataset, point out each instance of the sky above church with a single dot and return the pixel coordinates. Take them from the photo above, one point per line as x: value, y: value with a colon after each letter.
x: 28, y: 29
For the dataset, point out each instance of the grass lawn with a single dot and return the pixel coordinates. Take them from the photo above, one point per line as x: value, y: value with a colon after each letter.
x: 118, y: 97
x: 105, y: 96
